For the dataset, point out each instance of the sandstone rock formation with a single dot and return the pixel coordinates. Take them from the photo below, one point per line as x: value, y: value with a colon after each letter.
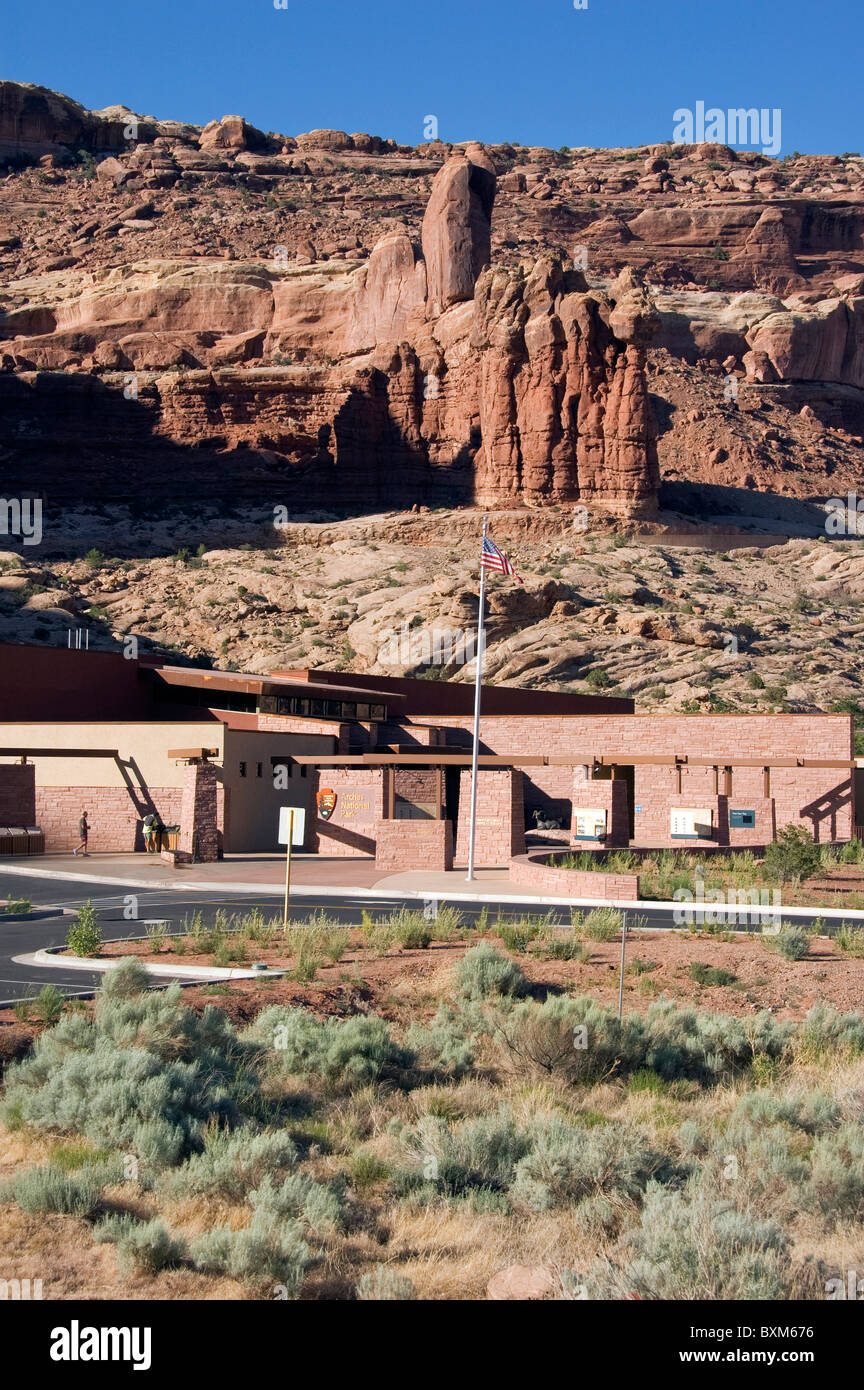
x: 457, y: 228
x: 296, y: 313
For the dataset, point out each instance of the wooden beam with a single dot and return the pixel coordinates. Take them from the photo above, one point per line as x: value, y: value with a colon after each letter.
x: 59, y: 753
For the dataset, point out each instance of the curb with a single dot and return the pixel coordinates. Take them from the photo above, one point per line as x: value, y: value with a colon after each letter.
x: 49, y: 958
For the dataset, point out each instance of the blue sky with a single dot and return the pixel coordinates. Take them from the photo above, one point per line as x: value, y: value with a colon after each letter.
x: 536, y: 71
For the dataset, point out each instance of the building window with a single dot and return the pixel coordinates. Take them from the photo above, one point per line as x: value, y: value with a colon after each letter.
x: 242, y: 769
x: 260, y: 770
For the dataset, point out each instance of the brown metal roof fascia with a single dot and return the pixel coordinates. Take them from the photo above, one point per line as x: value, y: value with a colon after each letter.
x: 430, y: 759
x: 261, y: 685
x: 59, y: 753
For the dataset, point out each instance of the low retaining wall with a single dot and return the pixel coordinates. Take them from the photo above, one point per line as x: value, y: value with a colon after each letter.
x: 414, y: 844
x: 535, y: 871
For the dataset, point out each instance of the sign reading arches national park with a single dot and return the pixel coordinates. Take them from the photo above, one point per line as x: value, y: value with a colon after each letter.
x: 326, y: 800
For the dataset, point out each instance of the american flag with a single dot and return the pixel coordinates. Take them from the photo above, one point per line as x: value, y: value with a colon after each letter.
x: 492, y: 558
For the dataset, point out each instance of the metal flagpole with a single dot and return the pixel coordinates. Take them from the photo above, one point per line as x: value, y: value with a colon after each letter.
x: 477, y: 687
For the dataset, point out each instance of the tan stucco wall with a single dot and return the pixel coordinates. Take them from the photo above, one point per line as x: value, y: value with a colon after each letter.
x: 145, y: 745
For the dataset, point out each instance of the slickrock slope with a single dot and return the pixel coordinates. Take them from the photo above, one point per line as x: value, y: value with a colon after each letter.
x: 330, y: 319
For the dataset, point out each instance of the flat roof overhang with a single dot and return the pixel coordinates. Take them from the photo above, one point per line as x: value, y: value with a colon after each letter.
x: 59, y: 752
x: 437, y: 759
x: 267, y: 685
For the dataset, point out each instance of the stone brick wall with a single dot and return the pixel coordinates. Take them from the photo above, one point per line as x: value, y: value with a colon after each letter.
x: 115, y: 818
x: 537, y: 872
x: 500, y: 830
x: 17, y: 794
x: 822, y: 799
x: 353, y: 827
x: 609, y: 795
x: 414, y: 844
x: 199, y: 813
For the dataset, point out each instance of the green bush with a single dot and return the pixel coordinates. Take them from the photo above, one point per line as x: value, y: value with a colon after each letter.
x: 52, y: 1189
x: 384, y: 1285
x: 448, y: 1160
x: 602, y: 924
x: 258, y: 1255
x: 442, y: 1045
x: 692, y: 1244
x: 791, y: 943
x: 353, y: 1050
x: 49, y: 1003
x: 84, y: 937
x: 298, y: 1196
x: 576, y: 1039
x: 517, y: 936
x: 850, y: 940
x: 567, y: 1163
x: 557, y: 945
x: 144, y: 1070
x: 144, y: 1246
x: 793, y: 856
x: 484, y: 972
x: 825, y: 1031
x: 710, y: 974
x: 231, y: 1163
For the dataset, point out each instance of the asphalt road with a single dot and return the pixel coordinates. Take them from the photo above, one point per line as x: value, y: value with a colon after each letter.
x: 122, y: 913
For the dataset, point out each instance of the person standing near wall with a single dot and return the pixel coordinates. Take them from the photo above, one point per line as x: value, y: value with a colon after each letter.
x: 83, y: 831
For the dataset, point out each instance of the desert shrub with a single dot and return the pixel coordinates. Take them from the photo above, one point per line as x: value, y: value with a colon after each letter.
x: 826, y: 1030
x: 125, y: 979
x: 850, y: 940
x: 705, y: 974
x: 380, y: 936
x: 231, y: 1163
x: 143, y: 1060
x: 447, y: 924
x: 835, y: 1187
x: 517, y: 936
x: 692, y: 1138
x: 693, y: 1245
x: 319, y: 1205
x: 791, y: 943
x: 558, y: 945
x: 411, y: 930
x: 84, y: 937
x: 576, y: 1039
x: 354, y: 1050
x: 442, y: 1045
x: 52, y: 1189
x: 384, y: 1285
x: 601, y: 924
x: 483, y: 972
x: 49, y: 1003
x: 567, y: 1163
x: 793, y: 856
x: 813, y: 1111
x: 708, y: 1047
x: 145, y: 1246
x: 641, y: 967
x: 261, y: 1253
x: 448, y: 1160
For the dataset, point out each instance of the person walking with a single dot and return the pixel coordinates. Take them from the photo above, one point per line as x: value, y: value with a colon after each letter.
x: 83, y: 831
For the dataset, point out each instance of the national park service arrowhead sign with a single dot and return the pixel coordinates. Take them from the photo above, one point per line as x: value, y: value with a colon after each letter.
x: 326, y: 800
